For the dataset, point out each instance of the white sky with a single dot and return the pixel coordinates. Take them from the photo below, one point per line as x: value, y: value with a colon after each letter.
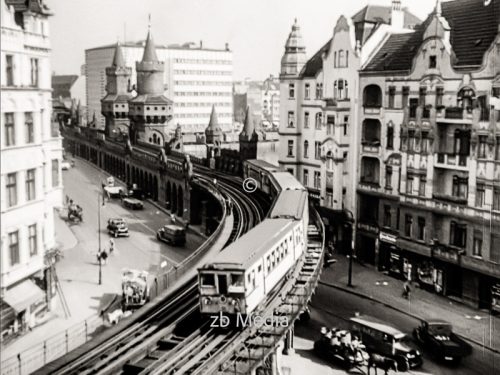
x: 256, y: 30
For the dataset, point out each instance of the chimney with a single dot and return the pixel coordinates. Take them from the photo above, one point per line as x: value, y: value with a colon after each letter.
x: 397, y: 15
x: 227, y: 46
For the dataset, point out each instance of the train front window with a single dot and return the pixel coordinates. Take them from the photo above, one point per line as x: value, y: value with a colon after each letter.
x: 222, y: 279
x: 237, y: 279
x: 208, y: 279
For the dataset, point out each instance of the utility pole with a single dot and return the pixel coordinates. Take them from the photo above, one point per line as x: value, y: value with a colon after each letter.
x: 99, y: 237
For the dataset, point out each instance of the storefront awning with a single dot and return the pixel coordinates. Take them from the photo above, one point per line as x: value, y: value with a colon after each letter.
x: 23, y: 295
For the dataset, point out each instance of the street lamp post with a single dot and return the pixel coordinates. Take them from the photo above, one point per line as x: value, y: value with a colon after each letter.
x: 99, y: 237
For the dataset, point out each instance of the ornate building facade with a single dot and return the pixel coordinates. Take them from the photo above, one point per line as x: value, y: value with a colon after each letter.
x: 429, y: 167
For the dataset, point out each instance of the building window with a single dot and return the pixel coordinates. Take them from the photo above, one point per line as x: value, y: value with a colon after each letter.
x: 290, y: 170
x: 481, y: 147
x: 10, y: 131
x: 477, y: 247
x: 480, y: 195
x: 411, y: 140
x: 14, y: 248
x: 335, y: 59
x: 319, y: 90
x: 405, y: 94
x: 346, y: 124
x: 32, y: 240
x: 421, y: 96
x: 458, y: 234
x: 291, y: 119
x: 421, y: 228
x: 432, y: 62
x: 305, y: 179
x: 388, y: 177
x: 330, y: 124
x: 387, y: 216
x: 317, y: 150
x: 317, y: 180
x: 307, y: 91
x: 34, y: 72
x: 291, y: 91
x: 421, y: 186
x: 390, y: 137
x: 424, y: 147
x: 306, y: 119
x: 409, y: 185
x: 319, y: 120
x: 497, y: 149
x: 496, y: 199
x: 290, y: 147
x: 460, y: 187
x: 439, y: 96
x: 392, y: 95
x: 30, y: 185
x: 9, y: 70
x: 306, y: 149
x: 11, y: 187
x: 55, y: 172
x: 408, y: 225
x: 341, y: 59
x: 28, y: 123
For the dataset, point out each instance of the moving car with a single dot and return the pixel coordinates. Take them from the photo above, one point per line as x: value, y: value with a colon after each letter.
x: 133, y: 203
x: 117, y: 227
x: 173, y: 234
x: 438, y: 338
x: 65, y: 165
x: 333, y: 347
x: 382, y: 338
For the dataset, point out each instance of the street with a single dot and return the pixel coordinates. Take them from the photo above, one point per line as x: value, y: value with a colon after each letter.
x: 333, y: 307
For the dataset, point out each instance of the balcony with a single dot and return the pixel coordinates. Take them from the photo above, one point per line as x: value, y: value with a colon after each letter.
x: 372, y: 110
x: 455, y: 114
x: 372, y: 147
x: 481, y: 265
x: 452, y: 161
x: 450, y: 198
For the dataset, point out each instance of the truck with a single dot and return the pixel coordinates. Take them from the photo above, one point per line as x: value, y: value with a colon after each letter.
x: 438, y: 338
x: 112, y: 190
x: 135, y: 288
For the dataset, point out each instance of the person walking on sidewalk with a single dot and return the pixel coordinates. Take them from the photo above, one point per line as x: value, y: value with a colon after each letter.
x: 111, y: 246
x: 104, y: 257
x: 406, y: 290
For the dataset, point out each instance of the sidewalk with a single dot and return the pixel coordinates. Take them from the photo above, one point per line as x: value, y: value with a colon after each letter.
x: 475, y: 325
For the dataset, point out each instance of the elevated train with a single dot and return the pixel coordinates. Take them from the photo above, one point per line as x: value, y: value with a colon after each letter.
x: 239, y: 278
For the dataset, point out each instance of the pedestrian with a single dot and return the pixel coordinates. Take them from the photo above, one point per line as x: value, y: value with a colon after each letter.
x: 111, y: 246
x: 172, y: 218
x: 406, y: 290
x: 104, y: 257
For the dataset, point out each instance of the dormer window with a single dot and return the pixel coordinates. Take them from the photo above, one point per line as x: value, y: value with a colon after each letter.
x: 432, y: 62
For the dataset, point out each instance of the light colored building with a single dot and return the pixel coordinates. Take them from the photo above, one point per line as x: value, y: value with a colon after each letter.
x: 31, y: 152
x: 319, y: 110
x: 195, y: 78
x: 429, y: 166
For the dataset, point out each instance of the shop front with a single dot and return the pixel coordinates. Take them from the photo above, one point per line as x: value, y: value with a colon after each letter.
x: 338, y: 228
x: 367, y: 243
x: 389, y: 254
x: 495, y: 297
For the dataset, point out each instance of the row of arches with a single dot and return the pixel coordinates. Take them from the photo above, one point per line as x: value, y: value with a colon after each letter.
x: 174, y: 197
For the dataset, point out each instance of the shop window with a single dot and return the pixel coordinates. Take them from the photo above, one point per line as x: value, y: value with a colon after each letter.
x: 392, y: 95
x: 477, y: 246
x: 458, y: 234
x: 408, y: 225
x: 480, y: 192
x: 421, y: 228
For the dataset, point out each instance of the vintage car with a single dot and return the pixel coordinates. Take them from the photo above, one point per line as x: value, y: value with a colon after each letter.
x: 172, y: 234
x: 117, y: 227
x: 438, y: 338
x: 66, y: 164
x: 341, y: 348
x: 133, y: 203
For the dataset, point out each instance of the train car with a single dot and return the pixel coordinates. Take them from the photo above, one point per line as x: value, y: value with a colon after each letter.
x: 242, y: 275
x: 260, y: 171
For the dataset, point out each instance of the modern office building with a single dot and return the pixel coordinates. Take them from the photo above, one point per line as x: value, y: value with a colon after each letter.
x: 429, y: 142
x: 31, y: 152
x: 319, y: 110
x: 195, y: 78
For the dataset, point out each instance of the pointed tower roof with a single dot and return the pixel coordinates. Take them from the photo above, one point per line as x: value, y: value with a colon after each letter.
x: 294, y: 57
x: 118, y: 60
x: 249, y: 126
x: 214, y: 123
x: 149, y: 49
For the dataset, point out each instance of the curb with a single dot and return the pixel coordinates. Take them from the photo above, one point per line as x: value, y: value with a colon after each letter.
x: 364, y: 296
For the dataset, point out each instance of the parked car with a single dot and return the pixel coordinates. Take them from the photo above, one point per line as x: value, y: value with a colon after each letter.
x: 438, y: 338
x: 136, y: 192
x: 117, y: 227
x: 346, y: 354
x: 383, y: 339
x: 133, y: 203
x: 172, y: 234
x: 65, y: 165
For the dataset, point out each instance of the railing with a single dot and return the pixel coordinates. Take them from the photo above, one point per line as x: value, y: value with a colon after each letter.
x: 52, y: 348
x: 452, y: 160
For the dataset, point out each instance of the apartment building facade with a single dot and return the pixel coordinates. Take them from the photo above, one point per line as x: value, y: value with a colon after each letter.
x: 429, y: 166
x: 31, y: 152
x: 195, y: 78
x: 318, y: 111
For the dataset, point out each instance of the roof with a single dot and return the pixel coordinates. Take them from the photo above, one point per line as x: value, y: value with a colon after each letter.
x: 254, y: 244
x: 64, y: 79
x: 263, y: 164
x: 474, y: 27
x: 315, y: 63
x: 118, y: 59
x: 23, y: 295
x: 117, y: 98
x: 213, y: 124
x: 290, y: 204
x: 151, y: 99
x: 378, y: 325
x: 142, y: 43
x: 286, y: 180
x: 382, y: 14
x: 149, y: 49
x: 36, y: 6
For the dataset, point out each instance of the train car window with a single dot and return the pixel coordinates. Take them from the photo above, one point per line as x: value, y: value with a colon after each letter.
x: 268, y: 263
x: 253, y: 278
x: 237, y: 279
x: 208, y: 279
x: 222, y: 279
